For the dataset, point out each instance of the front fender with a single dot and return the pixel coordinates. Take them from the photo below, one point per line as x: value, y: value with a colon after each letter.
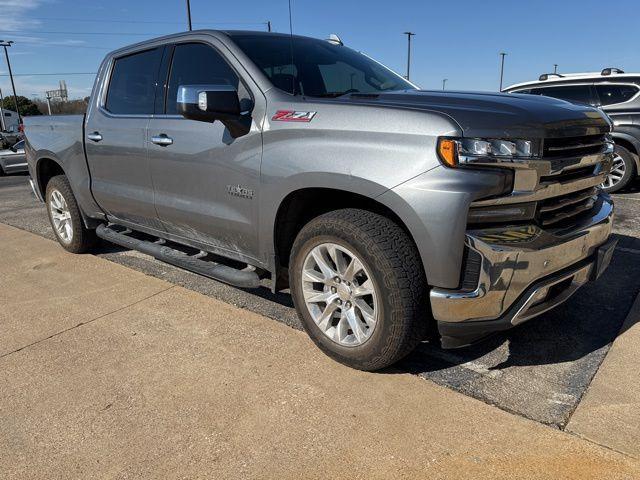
x: 434, y: 208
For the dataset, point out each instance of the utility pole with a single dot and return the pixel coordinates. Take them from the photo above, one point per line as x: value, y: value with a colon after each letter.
x: 409, y: 35
x: 49, y: 103
x: 189, y: 14
x: 502, y: 54
x: 444, y: 82
x: 269, y: 26
x: 2, y: 125
x: 555, y: 68
x: 6, y: 44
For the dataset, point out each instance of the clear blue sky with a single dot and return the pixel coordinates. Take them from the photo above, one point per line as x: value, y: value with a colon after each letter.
x: 458, y: 40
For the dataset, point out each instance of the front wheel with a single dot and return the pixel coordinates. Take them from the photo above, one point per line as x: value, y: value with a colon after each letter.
x: 622, y: 172
x: 65, y: 217
x: 358, y: 285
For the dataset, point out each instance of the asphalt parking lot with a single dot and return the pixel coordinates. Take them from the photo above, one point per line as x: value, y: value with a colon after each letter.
x: 539, y: 370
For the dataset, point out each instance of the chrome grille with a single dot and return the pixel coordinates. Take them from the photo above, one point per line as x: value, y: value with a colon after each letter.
x: 566, y: 207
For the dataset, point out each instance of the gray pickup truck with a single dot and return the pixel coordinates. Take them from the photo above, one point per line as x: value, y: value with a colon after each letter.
x: 392, y: 214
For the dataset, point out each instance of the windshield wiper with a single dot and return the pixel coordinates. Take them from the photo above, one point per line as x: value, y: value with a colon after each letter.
x: 335, y: 94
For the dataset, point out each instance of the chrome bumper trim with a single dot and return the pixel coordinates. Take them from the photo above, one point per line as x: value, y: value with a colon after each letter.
x: 515, y: 258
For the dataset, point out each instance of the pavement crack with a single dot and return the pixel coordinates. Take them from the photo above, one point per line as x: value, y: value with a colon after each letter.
x: 85, y: 323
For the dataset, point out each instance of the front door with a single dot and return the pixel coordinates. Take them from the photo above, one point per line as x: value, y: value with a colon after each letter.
x: 206, y: 182
x: 116, y: 140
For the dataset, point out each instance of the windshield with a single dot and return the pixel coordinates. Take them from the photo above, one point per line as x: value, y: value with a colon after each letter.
x: 319, y: 68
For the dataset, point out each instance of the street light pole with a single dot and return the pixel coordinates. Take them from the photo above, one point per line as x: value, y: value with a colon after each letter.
x: 189, y: 14
x: 2, y: 125
x: 502, y: 54
x: 555, y: 68
x: 444, y: 82
x: 409, y: 35
x: 6, y: 44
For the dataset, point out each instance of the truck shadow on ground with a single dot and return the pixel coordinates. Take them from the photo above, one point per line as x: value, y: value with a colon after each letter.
x: 586, y: 323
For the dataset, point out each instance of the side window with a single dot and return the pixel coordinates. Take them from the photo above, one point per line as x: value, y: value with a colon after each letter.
x: 570, y: 93
x: 610, y: 94
x: 197, y: 64
x: 132, y: 85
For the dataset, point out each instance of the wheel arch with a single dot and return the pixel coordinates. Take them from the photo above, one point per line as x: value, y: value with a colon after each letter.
x: 46, y: 169
x: 302, y: 205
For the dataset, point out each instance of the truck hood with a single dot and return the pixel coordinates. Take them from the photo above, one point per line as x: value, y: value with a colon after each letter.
x: 498, y: 115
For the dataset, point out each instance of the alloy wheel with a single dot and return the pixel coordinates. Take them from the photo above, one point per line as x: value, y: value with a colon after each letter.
x: 340, y: 294
x: 61, y: 216
x: 618, y: 169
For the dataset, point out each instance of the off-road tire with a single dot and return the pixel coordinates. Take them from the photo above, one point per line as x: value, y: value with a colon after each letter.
x: 83, y: 239
x: 389, y: 254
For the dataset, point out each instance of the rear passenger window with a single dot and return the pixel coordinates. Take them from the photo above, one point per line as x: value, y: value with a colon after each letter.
x: 610, y: 94
x: 197, y: 64
x: 132, y: 84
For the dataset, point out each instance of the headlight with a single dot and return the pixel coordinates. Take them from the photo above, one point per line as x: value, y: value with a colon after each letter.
x: 453, y: 151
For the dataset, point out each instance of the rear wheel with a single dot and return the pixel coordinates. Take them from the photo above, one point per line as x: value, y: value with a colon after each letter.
x: 359, y: 288
x: 622, y: 171
x: 65, y: 217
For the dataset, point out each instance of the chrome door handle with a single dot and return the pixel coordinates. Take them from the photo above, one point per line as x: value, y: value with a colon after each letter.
x: 162, y: 140
x: 95, y: 136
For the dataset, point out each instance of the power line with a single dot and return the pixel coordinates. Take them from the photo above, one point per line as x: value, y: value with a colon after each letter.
x: 23, y: 32
x: 47, y: 32
x: 150, y: 22
x: 44, y: 74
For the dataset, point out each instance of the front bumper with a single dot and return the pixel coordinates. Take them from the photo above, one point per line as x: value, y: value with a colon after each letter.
x: 524, y: 271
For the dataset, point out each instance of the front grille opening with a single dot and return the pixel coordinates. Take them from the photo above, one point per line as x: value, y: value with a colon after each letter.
x: 562, y: 210
x: 569, y: 175
x: 554, y: 291
x: 573, y: 146
x: 471, y: 266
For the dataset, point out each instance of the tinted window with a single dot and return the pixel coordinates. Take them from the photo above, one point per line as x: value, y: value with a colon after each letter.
x: 197, y: 64
x: 132, y: 85
x: 317, y: 68
x: 19, y: 145
x: 570, y: 93
x: 610, y: 94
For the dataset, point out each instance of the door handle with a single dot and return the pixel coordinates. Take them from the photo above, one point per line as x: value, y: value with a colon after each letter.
x: 162, y: 140
x: 95, y: 136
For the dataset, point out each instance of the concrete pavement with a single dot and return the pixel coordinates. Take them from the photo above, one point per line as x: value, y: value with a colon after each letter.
x: 539, y: 370
x: 609, y: 413
x: 127, y: 376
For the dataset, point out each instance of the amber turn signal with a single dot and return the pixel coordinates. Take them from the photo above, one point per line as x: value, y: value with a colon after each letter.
x: 448, y: 151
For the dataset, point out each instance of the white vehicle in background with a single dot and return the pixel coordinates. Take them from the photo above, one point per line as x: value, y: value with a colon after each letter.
x: 615, y: 92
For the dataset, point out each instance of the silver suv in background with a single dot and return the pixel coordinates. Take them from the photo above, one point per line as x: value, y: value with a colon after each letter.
x: 615, y: 92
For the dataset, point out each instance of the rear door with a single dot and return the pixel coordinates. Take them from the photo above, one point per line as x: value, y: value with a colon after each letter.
x: 206, y: 182
x: 116, y: 139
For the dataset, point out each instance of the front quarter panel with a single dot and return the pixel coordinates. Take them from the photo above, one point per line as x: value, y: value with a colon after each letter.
x: 359, y: 149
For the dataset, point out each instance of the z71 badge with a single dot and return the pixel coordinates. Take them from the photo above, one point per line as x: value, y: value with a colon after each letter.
x: 293, y: 116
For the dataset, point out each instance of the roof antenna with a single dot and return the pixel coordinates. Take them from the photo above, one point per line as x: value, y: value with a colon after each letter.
x: 293, y: 78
